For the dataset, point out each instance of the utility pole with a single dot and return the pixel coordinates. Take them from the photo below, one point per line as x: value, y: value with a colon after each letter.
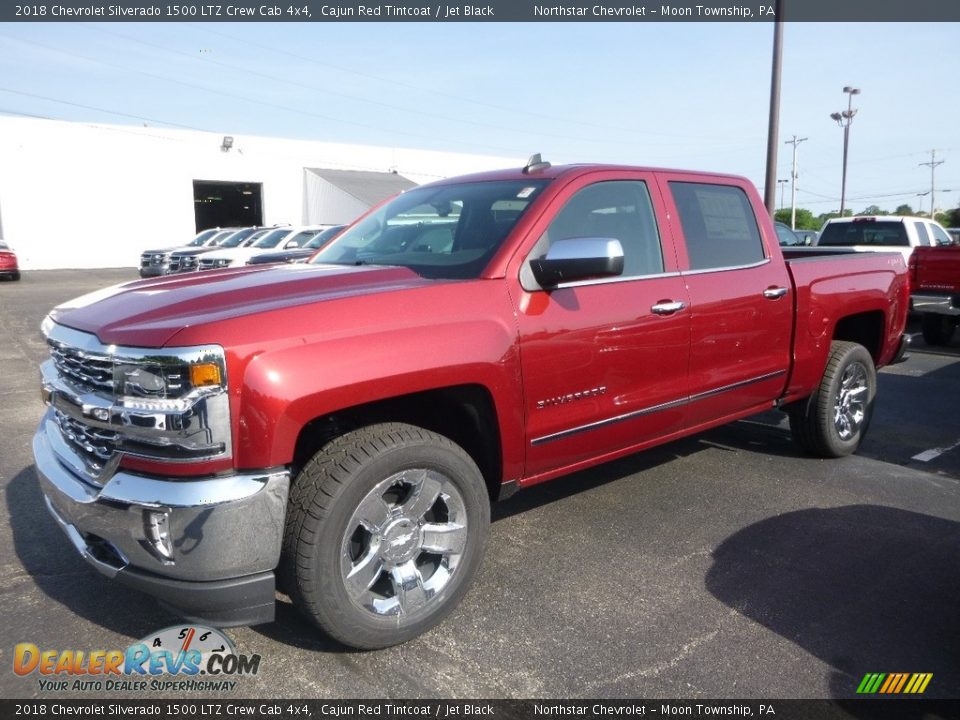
x: 793, y: 184
x: 933, y: 166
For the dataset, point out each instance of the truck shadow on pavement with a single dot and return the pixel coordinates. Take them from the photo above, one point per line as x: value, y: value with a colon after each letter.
x: 864, y: 588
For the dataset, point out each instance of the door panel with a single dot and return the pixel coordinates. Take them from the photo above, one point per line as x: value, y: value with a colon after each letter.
x: 741, y: 300
x: 595, y: 358
x: 602, y: 371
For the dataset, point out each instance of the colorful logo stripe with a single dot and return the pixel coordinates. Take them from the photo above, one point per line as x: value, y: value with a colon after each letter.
x: 894, y: 683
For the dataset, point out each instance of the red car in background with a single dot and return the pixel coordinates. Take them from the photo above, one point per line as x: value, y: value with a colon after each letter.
x: 8, y: 262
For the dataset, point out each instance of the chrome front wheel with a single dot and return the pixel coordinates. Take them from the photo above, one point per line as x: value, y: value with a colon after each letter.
x: 403, y: 544
x: 385, y: 529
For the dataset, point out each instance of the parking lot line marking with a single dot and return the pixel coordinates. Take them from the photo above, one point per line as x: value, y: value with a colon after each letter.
x: 928, y: 455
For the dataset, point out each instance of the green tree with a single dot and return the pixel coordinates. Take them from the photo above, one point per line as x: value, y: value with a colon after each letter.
x: 805, y: 219
x: 873, y: 210
x: 904, y: 210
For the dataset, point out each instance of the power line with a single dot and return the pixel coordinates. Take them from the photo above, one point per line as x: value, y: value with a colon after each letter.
x: 92, y: 107
x: 265, y: 103
x: 356, y: 98
x: 632, y: 132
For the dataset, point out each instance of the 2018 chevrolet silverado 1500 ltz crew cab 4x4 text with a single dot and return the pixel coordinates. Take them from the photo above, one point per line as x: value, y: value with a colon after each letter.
x: 343, y: 425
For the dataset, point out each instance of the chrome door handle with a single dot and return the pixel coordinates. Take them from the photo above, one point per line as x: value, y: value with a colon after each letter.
x: 667, y: 307
x: 774, y: 293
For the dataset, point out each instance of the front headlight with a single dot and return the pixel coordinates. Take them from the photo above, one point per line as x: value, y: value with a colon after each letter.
x: 222, y: 262
x: 169, y: 383
x: 164, y: 404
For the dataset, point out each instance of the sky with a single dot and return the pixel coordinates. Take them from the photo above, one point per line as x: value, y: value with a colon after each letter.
x: 682, y: 95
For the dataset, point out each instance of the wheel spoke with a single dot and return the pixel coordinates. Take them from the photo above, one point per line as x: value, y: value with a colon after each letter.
x: 423, y: 495
x: 408, y: 587
x: 372, y: 512
x: 444, y: 538
x: 361, y: 576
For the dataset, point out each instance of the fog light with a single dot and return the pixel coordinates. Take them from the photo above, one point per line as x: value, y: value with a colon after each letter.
x: 101, y: 414
x: 156, y: 527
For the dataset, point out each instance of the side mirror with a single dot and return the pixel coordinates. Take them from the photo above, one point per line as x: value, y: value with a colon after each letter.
x: 808, y: 241
x: 578, y: 259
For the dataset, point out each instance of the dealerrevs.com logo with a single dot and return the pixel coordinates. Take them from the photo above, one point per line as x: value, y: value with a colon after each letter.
x: 183, y: 658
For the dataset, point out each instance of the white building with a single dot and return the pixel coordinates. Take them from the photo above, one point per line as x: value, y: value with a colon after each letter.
x: 83, y: 195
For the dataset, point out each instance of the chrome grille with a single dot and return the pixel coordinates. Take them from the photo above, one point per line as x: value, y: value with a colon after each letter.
x: 207, y: 264
x: 88, y: 371
x: 97, y: 445
x: 174, y: 263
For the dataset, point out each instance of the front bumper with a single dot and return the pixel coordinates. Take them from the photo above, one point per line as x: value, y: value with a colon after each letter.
x: 154, y: 270
x: 206, y: 548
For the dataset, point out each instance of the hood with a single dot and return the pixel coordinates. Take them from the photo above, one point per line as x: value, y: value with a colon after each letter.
x: 282, y: 256
x: 194, y: 251
x: 148, y: 313
x: 164, y: 250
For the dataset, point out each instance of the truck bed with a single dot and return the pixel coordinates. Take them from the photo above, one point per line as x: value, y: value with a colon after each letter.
x: 866, y: 281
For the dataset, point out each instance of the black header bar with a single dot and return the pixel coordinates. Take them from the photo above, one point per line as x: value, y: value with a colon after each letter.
x: 482, y: 11
x: 200, y: 708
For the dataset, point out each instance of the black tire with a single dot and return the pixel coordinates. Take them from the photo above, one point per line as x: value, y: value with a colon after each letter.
x: 325, y: 502
x: 937, y: 329
x: 15, y: 276
x: 814, y: 423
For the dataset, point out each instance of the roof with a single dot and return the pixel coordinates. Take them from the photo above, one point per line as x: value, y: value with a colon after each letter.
x: 556, y: 171
x: 368, y: 187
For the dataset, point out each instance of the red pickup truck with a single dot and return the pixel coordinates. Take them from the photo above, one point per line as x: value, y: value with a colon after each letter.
x: 935, y: 291
x: 343, y: 425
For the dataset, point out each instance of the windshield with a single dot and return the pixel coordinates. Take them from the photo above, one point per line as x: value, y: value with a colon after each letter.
x: 270, y: 238
x: 202, y: 237
x: 238, y: 237
x: 219, y: 237
x: 324, y: 237
x: 300, y: 238
x: 449, y: 231
x: 881, y: 233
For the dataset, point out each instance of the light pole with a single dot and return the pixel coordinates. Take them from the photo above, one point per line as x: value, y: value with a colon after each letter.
x: 783, y: 185
x: 844, y: 119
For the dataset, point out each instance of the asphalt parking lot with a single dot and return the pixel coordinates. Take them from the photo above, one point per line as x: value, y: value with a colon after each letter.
x: 724, y: 565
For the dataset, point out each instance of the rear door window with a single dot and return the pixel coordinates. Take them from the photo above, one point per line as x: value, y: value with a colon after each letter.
x: 718, y: 225
x: 922, y: 236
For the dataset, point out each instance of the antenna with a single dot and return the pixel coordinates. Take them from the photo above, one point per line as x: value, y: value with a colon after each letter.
x: 535, y: 164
